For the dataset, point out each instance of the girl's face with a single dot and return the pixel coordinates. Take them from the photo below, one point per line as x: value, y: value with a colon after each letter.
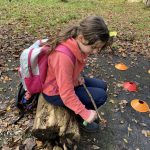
x: 90, y: 49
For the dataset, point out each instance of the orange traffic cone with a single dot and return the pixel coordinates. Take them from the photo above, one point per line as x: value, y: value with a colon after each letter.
x: 130, y: 86
x: 140, y: 105
x: 121, y: 66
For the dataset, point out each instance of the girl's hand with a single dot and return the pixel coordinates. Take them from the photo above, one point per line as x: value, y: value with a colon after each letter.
x: 92, y: 117
x: 81, y: 80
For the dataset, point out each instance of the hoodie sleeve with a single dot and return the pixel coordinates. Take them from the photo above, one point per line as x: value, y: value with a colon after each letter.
x: 63, y: 70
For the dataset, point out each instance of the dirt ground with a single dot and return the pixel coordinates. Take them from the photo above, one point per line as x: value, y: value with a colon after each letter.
x: 126, y: 130
x: 125, y: 125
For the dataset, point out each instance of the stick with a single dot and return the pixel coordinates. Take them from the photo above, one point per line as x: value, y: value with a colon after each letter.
x: 93, y: 102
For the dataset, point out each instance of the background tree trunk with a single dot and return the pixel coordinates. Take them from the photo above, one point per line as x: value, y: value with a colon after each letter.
x: 134, y: 1
x: 147, y: 2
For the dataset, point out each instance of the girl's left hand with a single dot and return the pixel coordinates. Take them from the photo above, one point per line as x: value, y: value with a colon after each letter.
x: 81, y: 80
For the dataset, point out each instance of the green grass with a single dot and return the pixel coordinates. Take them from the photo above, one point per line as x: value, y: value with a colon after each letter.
x: 34, y: 15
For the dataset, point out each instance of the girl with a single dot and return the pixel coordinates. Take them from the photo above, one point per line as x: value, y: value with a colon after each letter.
x: 66, y: 89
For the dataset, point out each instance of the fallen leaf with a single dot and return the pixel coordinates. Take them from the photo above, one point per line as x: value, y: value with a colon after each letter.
x: 39, y: 143
x: 111, y: 101
x: 58, y: 148
x: 123, y: 102
x: 134, y: 120
x: 137, y: 76
x: 29, y: 143
x: 8, y: 108
x: 125, y: 140
x: 27, y: 122
x: 102, y: 113
x: 124, y: 55
x: 122, y: 122
x: 129, y: 129
x: 91, y: 76
x: 119, y: 84
x: 16, y: 56
x: 112, y: 33
x: 146, y: 133
x: 1, y: 89
x: 143, y: 124
x: 115, y: 95
x: 15, y: 69
x: 95, y: 147
x: 6, y: 78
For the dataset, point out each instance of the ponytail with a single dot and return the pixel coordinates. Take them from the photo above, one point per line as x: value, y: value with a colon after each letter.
x: 71, y: 32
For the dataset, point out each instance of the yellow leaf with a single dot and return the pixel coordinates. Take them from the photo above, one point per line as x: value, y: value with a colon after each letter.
x: 113, y: 33
x: 8, y: 108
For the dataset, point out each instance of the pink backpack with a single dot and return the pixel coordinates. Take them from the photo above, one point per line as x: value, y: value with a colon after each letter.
x: 34, y: 63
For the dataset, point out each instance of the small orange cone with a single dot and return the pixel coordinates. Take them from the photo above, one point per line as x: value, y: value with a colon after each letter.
x: 140, y: 105
x: 121, y: 66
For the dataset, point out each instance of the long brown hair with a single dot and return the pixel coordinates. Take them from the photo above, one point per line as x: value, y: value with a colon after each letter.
x: 93, y: 28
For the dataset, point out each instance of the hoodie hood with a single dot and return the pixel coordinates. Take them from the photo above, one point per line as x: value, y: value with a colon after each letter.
x: 73, y: 46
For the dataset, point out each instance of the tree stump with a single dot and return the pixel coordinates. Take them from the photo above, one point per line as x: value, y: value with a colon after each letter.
x: 55, y: 124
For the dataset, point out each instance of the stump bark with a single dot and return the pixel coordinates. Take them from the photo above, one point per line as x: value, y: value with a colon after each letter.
x: 55, y: 124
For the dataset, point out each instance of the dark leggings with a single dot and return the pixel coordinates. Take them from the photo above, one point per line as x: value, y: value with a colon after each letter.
x: 96, y: 87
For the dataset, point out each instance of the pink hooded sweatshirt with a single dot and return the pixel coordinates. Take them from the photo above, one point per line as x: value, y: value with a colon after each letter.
x: 64, y: 76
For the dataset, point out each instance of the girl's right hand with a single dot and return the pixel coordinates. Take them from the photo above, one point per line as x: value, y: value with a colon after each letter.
x: 81, y: 80
x: 92, y: 117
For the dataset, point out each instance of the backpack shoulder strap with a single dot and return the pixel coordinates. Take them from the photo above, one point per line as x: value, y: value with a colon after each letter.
x: 67, y: 51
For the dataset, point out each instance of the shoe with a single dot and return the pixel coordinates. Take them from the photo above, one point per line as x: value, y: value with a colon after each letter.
x: 97, y: 121
x: 91, y: 127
